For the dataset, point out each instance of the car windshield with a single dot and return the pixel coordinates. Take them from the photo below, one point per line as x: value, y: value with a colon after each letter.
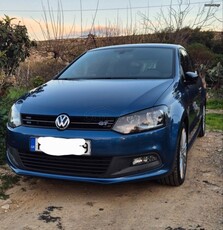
x: 122, y: 63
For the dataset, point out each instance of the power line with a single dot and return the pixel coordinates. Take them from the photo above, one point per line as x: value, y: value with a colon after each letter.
x: 107, y: 9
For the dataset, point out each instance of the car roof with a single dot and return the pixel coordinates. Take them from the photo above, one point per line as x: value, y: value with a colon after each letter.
x: 141, y: 45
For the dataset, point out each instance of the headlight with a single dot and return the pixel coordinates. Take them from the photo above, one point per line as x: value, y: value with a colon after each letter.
x: 14, y: 116
x: 141, y: 121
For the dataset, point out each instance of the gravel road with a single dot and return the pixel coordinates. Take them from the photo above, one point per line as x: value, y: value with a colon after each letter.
x: 37, y: 203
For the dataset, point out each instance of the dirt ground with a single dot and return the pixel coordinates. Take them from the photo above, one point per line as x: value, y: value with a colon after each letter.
x: 37, y: 203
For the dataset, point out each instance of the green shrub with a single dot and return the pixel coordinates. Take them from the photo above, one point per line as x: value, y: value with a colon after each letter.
x: 5, y: 104
x: 215, y: 76
x: 7, y: 181
x: 36, y: 73
x: 214, y: 121
x: 46, y: 69
x: 14, y: 45
x: 201, y: 54
x: 37, y: 81
x: 215, y: 103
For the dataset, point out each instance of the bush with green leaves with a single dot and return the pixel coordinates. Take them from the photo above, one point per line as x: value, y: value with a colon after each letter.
x: 215, y: 76
x: 6, y: 101
x: 14, y: 45
x: 201, y: 54
x: 37, y: 81
x: 39, y: 72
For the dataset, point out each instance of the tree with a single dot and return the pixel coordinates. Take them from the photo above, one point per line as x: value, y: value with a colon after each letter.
x: 55, y: 34
x: 174, y: 24
x: 14, y: 45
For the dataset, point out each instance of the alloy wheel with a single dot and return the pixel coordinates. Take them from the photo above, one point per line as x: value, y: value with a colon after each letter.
x: 183, y: 154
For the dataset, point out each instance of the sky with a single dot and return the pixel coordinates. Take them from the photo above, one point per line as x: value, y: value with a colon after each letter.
x: 50, y: 19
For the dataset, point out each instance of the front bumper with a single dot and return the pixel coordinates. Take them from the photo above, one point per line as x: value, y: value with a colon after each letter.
x: 142, y: 176
x: 120, y: 150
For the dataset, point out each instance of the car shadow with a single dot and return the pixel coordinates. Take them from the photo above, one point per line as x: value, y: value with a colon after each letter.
x: 60, y: 188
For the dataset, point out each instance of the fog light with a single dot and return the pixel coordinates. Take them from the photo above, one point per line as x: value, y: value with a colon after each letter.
x: 144, y: 159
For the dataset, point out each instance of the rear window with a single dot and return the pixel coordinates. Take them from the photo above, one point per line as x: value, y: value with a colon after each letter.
x: 143, y: 62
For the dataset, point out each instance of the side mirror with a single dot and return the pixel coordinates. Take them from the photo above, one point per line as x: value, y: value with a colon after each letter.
x: 191, y: 77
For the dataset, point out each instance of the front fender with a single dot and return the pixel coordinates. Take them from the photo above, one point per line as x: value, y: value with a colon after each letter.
x: 179, y: 116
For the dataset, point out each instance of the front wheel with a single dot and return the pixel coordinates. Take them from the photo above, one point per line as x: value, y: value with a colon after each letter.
x: 178, y: 174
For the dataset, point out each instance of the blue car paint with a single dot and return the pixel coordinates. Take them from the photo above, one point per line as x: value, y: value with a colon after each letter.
x: 94, y: 97
x: 142, y: 176
x: 113, y: 98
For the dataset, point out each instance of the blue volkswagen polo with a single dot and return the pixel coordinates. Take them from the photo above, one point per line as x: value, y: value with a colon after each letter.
x: 115, y: 114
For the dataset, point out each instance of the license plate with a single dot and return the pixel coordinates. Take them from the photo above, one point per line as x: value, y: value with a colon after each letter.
x: 60, y: 146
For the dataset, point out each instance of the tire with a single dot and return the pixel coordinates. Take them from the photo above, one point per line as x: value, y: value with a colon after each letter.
x: 203, y: 122
x: 177, y: 177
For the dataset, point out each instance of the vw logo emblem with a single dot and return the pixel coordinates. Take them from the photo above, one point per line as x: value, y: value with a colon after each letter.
x: 62, y: 121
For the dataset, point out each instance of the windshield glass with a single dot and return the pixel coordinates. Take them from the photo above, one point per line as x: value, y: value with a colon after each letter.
x: 124, y: 63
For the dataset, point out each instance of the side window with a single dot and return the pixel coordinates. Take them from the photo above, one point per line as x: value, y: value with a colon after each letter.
x: 182, y: 61
x: 186, y: 62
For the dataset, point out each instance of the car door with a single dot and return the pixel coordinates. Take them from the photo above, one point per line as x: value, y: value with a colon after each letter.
x: 193, y: 94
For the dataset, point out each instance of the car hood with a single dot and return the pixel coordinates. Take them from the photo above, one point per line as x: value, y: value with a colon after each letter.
x: 105, y: 97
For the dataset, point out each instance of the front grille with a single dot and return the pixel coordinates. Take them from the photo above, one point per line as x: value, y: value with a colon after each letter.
x: 66, y: 165
x: 99, y: 123
x: 38, y: 120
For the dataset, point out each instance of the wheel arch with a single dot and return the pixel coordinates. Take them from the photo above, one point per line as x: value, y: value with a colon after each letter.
x: 178, y: 119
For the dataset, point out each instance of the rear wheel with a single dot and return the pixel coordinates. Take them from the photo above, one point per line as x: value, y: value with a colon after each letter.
x: 203, y: 122
x: 178, y: 174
